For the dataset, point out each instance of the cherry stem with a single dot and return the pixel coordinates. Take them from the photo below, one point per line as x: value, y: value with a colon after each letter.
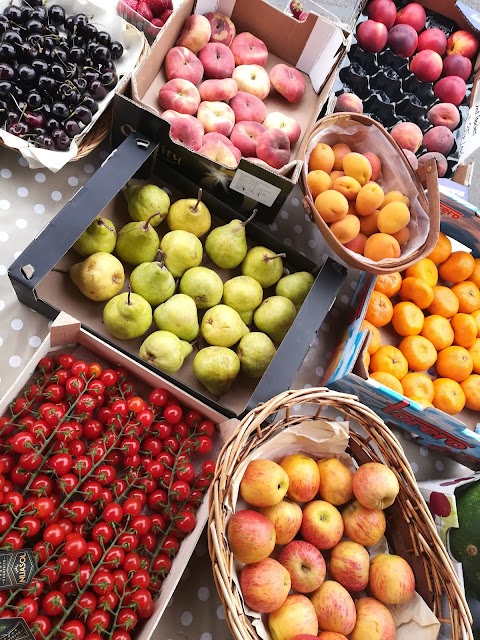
x: 199, y: 199
x: 245, y: 222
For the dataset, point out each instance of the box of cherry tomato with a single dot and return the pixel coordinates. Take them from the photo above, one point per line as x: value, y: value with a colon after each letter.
x: 104, y: 471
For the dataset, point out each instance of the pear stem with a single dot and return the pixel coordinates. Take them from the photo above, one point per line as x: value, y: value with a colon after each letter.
x: 147, y: 221
x: 59, y: 270
x: 161, y: 257
x: 128, y: 295
x: 101, y: 223
x: 279, y: 255
x: 245, y: 222
x: 199, y: 199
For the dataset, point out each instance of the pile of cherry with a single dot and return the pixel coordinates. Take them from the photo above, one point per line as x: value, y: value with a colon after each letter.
x: 103, y: 486
x: 54, y: 71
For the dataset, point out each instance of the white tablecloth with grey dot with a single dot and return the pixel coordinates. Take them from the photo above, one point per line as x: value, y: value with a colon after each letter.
x: 29, y: 199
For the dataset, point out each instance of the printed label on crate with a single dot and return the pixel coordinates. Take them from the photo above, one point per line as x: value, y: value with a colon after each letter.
x: 255, y: 188
x: 15, y: 629
x: 17, y: 568
x: 471, y: 137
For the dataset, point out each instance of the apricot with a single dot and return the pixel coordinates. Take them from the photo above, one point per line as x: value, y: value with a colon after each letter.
x: 346, y: 229
x: 357, y: 166
x: 375, y: 163
x: 402, y: 236
x: 369, y: 198
x: 393, y: 217
x: 340, y: 150
x: 336, y: 174
x: 331, y: 205
x: 318, y: 181
x: 380, y: 246
x: 348, y: 186
x: 395, y: 196
x: 368, y: 224
x: 357, y: 245
x: 321, y: 157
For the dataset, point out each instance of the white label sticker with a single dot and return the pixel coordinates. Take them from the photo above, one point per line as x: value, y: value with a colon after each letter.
x: 471, y: 137
x: 255, y: 188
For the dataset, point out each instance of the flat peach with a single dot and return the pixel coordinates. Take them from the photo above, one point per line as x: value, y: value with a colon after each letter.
x: 358, y: 167
x: 380, y: 246
x: 346, y: 229
x: 288, y: 81
x: 331, y: 205
x: 369, y: 198
x: 218, y: 90
x: 347, y: 186
x: 393, y: 217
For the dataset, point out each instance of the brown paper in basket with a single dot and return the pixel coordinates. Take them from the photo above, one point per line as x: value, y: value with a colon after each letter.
x: 363, y: 134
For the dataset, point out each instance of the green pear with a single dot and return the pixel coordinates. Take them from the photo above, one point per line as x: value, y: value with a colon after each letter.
x: 137, y: 242
x: 179, y: 316
x: 190, y: 214
x: 264, y: 265
x: 222, y: 326
x: 244, y: 294
x: 295, y: 287
x: 216, y: 368
x: 147, y: 202
x: 183, y: 250
x: 203, y: 285
x: 227, y: 246
x: 127, y: 316
x: 100, y: 235
x: 99, y: 277
x: 165, y: 351
x: 153, y: 281
x: 255, y: 352
x: 275, y: 316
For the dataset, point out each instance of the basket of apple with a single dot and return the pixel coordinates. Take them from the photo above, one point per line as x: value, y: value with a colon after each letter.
x: 317, y: 529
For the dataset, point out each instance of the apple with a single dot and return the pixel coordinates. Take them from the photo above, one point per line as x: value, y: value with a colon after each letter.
x: 253, y: 79
x: 251, y: 536
x: 303, y: 477
x: 180, y: 95
x: 305, y: 564
x: 245, y: 135
x: 180, y: 62
x: 362, y: 525
x: 278, y: 120
x: 296, y: 616
x: 391, y: 579
x: 248, y: 49
x: 349, y: 565
x: 286, y: 517
x: 375, y: 485
x: 218, y: 90
x: 219, y: 152
x: 264, y: 483
x: 334, y: 607
x: 248, y: 108
x: 222, y: 28
x: 322, y: 524
x: 273, y: 147
x: 265, y: 585
x: 217, y: 60
x: 335, y: 481
x: 374, y: 621
x: 216, y: 116
x: 288, y: 81
x: 195, y: 34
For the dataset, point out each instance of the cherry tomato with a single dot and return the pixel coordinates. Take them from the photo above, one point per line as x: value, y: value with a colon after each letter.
x: 141, y: 600
x: 185, y: 472
x: 130, y: 445
x: 86, y: 602
x: 73, y: 629
x: 99, y: 620
x: 53, y: 603
x: 149, y: 541
x: 140, y: 578
x: 44, y: 507
x: 120, y: 579
x: 180, y: 429
x: 42, y: 485
x: 135, y: 404
x: 155, y: 468
x: 83, y: 575
x: 40, y: 627
x: 108, y: 601
x: 152, y: 445
x: 31, y: 460
x: 80, y: 367
x: 158, y: 397
x: 127, y: 618
x: 147, y: 485
x: 94, y: 370
x: 180, y: 490
x: 173, y: 413
x: 50, y: 572
x: 119, y: 486
x: 119, y: 408
x: 61, y: 463
x: 113, y: 513
x: 102, y: 582
x: 131, y: 562
x: 105, y: 474
x: 5, y: 521
x: 166, y: 458
x: 77, y: 511
x: 164, y: 430
x: 145, y: 417
x: 114, y: 556
x: 140, y: 524
x: 66, y: 360
x: 13, y: 501
x: 108, y: 377
x: 171, y: 444
x: 119, y: 634
x: 204, y: 445
x: 75, y: 546
x: 102, y: 532
x: 206, y: 428
x: 22, y: 442
x: 157, y: 499
x: 185, y: 521
x: 68, y: 483
x: 202, y: 482
x: 54, y: 535
x: 162, y: 564
x: 83, y: 465
x: 67, y: 565
x: 129, y: 541
x: 61, y: 376
x: 34, y: 589
x: 132, y: 506
x: 93, y: 552
x: 170, y: 545
x: 27, y: 609
x: 157, y: 523
x: 30, y: 525
x: 75, y: 386
x: 193, y: 418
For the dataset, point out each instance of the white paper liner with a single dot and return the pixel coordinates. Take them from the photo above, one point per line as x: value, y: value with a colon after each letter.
x: 105, y: 18
x: 324, y: 439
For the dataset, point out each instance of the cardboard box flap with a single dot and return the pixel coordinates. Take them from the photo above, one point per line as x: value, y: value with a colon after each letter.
x: 64, y: 330
x: 318, y: 60
x: 471, y: 16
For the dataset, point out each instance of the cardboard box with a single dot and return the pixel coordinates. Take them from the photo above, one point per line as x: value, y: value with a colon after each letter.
x: 316, y: 47
x: 49, y: 292
x: 67, y: 335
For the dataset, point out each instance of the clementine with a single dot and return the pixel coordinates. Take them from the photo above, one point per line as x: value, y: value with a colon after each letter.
x: 407, y: 319
x: 468, y: 296
x: 457, y: 267
x: 442, y: 250
x: 476, y: 315
x: 389, y: 284
x: 425, y: 269
x: 455, y: 363
x: 464, y: 329
x: 418, y: 385
x: 439, y: 331
x: 387, y: 380
x: 417, y: 291
x: 474, y: 351
x: 375, y: 338
x: 445, y: 302
x: 419, y: 352
x: 475, y: 275
x: 449, y: 396
x: 389, y: 359
x: 379, y: 310
x: 471, y: 389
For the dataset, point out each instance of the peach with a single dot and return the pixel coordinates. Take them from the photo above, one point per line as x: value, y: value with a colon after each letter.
x: 375, y: 163
x: 219, y: 152
x: 222, y: 28
x: 380, y: 246
x: 383, y: 11
x: 462, y: 42
x: 427, y: 65
x: 347, y: 186
x: 331, y: 205
x: 369, y: 198
x: 412, y: 158
x: 216, y: 116
x: 318, y: 181
x: 374, y: 621
x: 195, y: 34
x: 413, y: 14
x: 444, y: 114
x: 357, y: 245
x: 170, y: 116
x: 358, y: 167
x: 349, y: 565
x: 407, y: 135
x: 368, y: 224
x: 439, y: 139
x: 273, y: 147
x: 457, y: 65
x: 218, y: 90
x: 180, y: 62
x: 442, y: 163
x: 402, y: 40
x: 187, y: 130
x: 346, y: 229
x: 245, y: 135
x: 248, y: 107
x: 334, y: 607
x: 402, y: 236
x: 393, y: 217
x: 213, y: 135
x: 277, y: 120
x: 364, y: 526
x: 337, y: 174
x: 450, y: 89
x: 395, y: 196
x: 253, y: 79
x: 372, y: 36
x: 340, y: 150
x: 248, y: 49
x: 349, y: 102
x: 433, y: 39
x: 180, y: 95
x: 391, y: 579
x: 321, y: 157
x: 288, y: 81
x: 217, y: 60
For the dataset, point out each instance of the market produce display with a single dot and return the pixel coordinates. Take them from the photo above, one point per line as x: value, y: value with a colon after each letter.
x: 157, y: 12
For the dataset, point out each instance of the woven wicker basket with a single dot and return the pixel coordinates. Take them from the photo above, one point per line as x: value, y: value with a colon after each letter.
x: 411, y: 532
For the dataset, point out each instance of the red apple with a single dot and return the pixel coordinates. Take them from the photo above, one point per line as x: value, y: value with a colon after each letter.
x: 303, y: 476
x: 264, y: 483
x: 305, y: 564
x: 335, y: 481
x: 334, y: 607
x: 223, y: 29
x: 462, y: 42
x: 372, y: 36
x: 265, y: 585
x: 322, y: 524
x: 286, y: 517
x: 391, y: 579
x: 375, y: 485
x: 374, y: 621
x: 362, y: 525
x: 414, y: 15
x: 251, y: 536
x: 295, y: 616
x: 349, y: 565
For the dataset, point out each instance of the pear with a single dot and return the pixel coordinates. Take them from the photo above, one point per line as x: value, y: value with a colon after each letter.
x: 165, y: 351
x: 264, y: 265
x: 183, y: 250
x: 227, y: 246
x: 100, y: 235
x: 137, y: 242
x: 275, y: 316
x: 153, y: 281
x: 127, y: 316
x: 255, y: 352
x: 179, y: 316
x: 295, y: 287
x: 203, y: 285
x: 216, y: 368
x: 147, y: 202
x: 244, y: 294
x: 99, y: 277
x: 191, y: 215
x: 222, y: 326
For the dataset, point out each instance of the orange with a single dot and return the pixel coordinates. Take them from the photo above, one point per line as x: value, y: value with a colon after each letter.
x: 474, y: 351
x: 418, y: 385
x: 389, y: 360
x: 389, y: 284
x: 419, y: 352
x: 457, y: 267
x: 442, y: 249
x: 464, y: 329
x: 455, y: 363
x: 475, y: 275
x: 375, y: 339
x: 449, y: 396
x: 471, y: 389
x: 379, y: 310
x: 417, y: 291
x: 421, y: 401
x: 388, y: 381
x: 425, y: 270
x: 476, y: 315
x: 439, y: 331
x: 445, y: 302
x: 468, y: 296
x: 407, y: 319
